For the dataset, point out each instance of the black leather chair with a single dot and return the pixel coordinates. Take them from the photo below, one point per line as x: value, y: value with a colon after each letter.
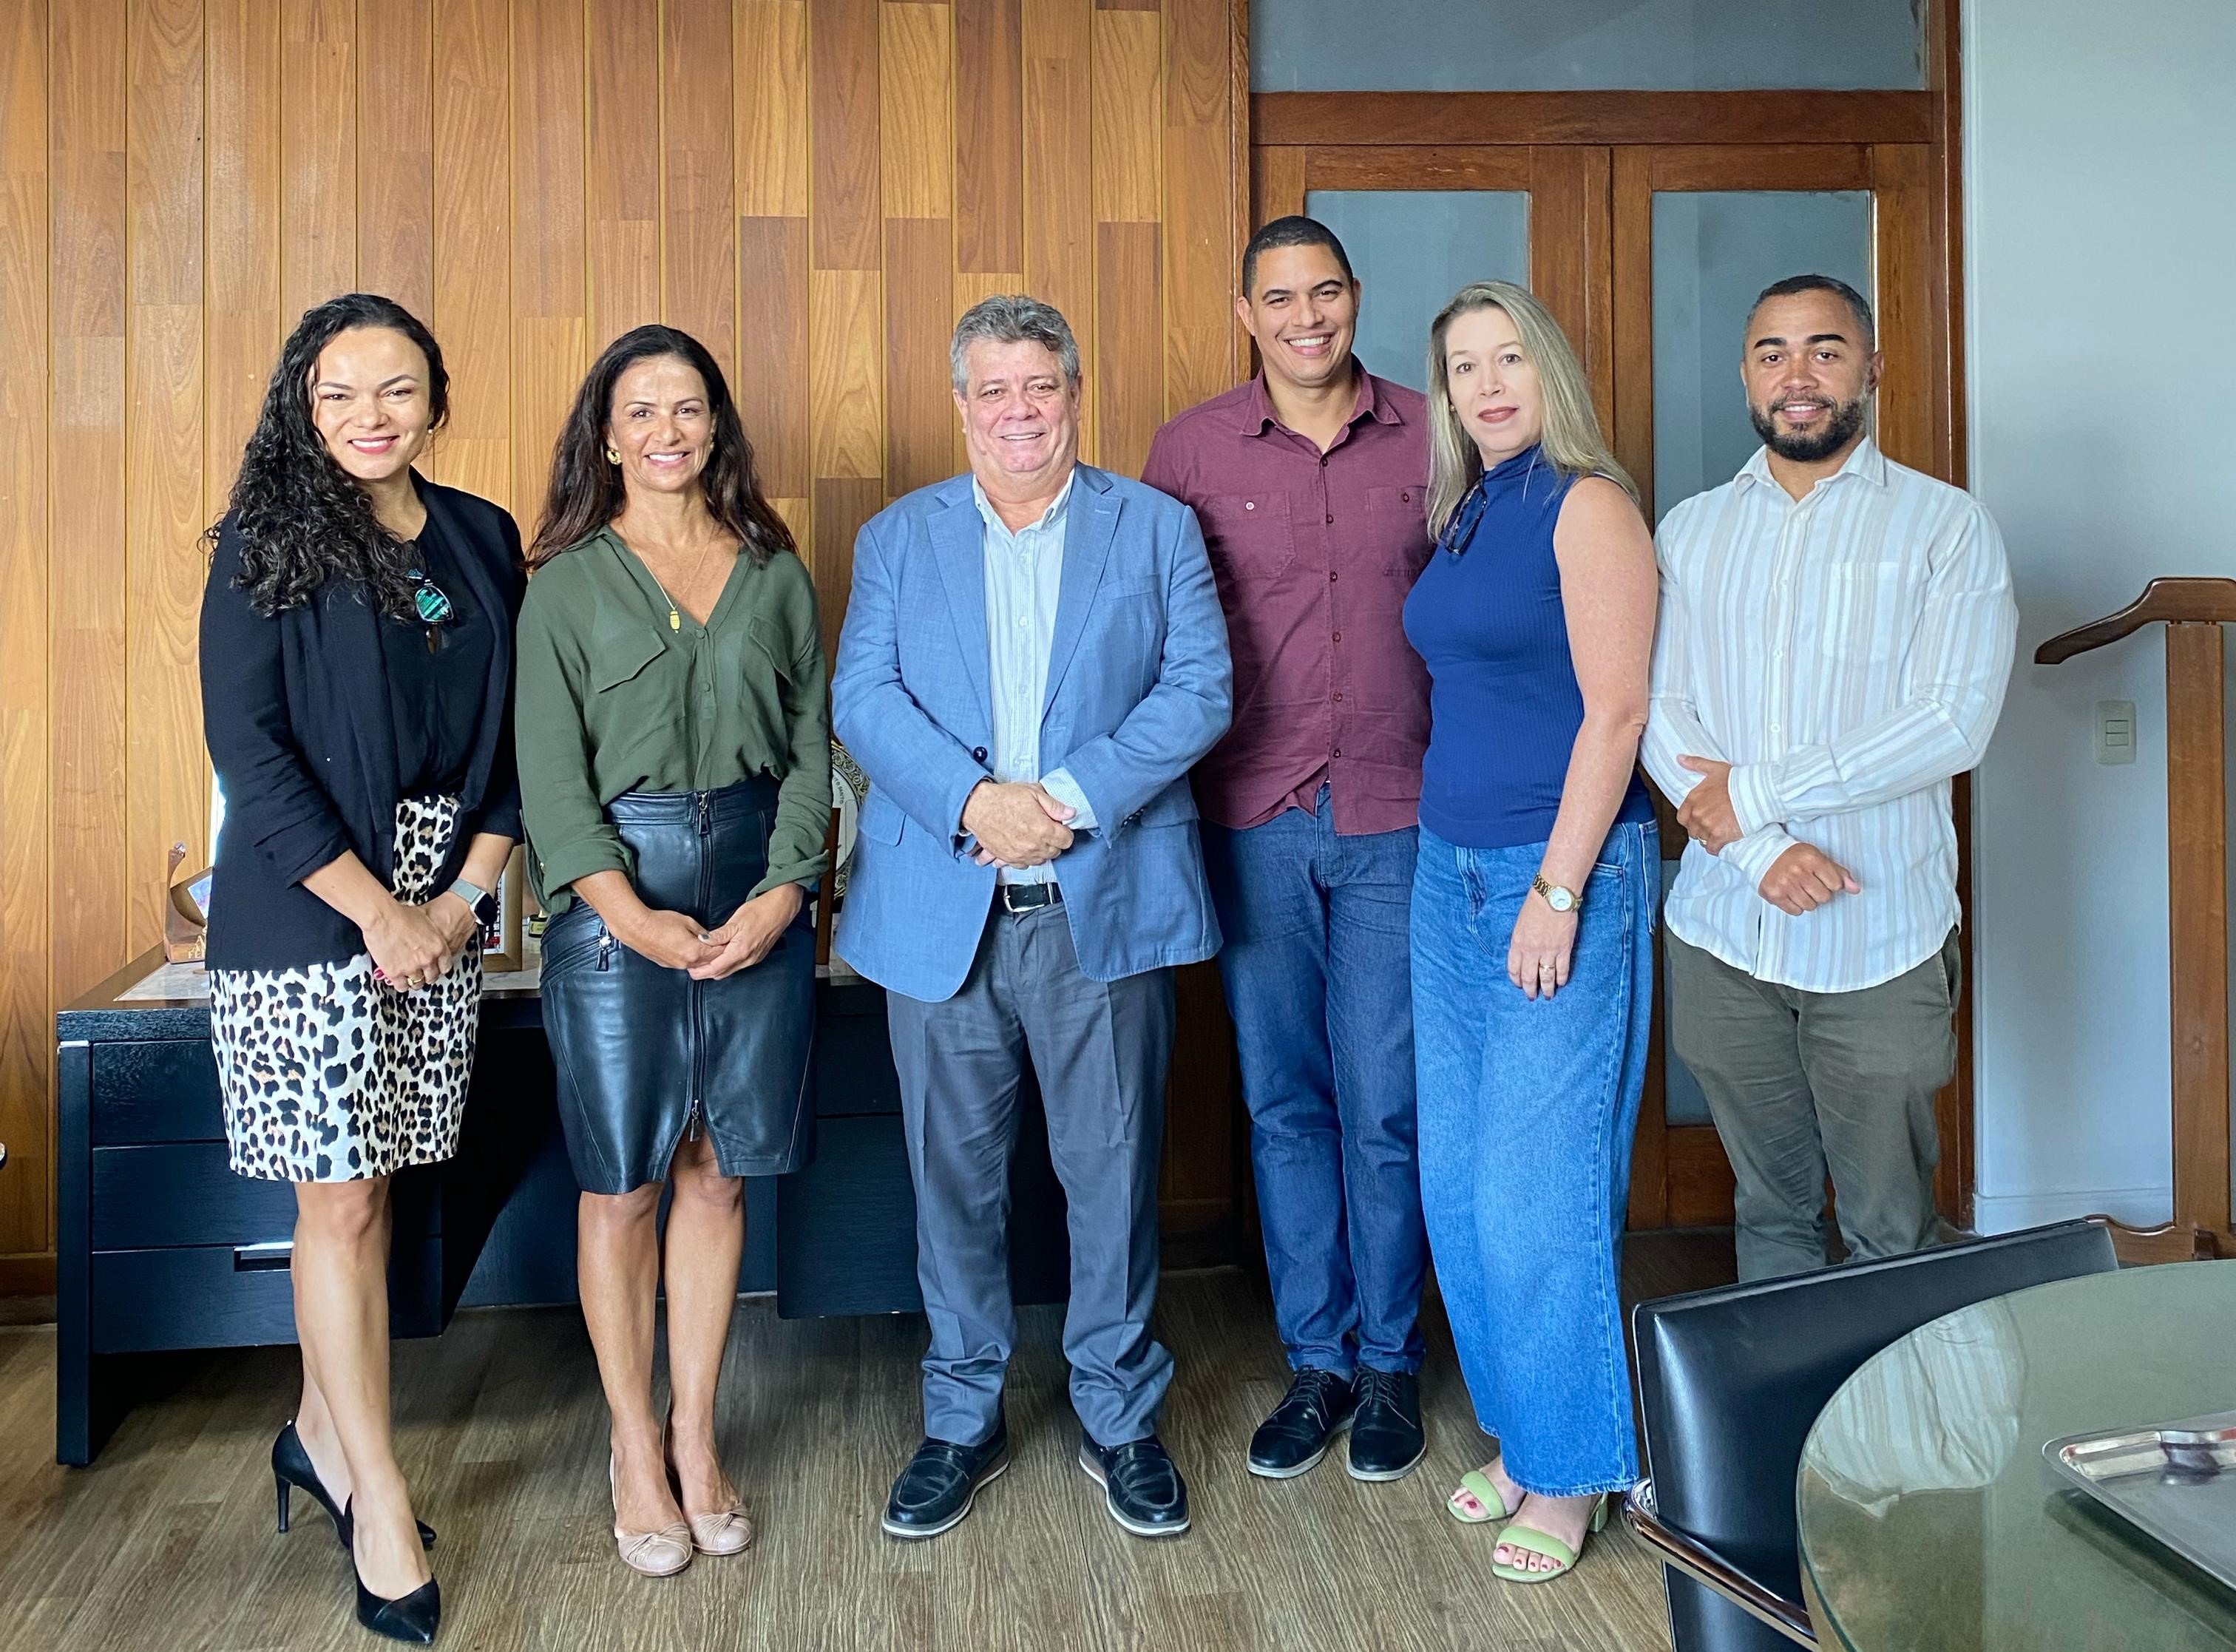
x: 1730, y: 1381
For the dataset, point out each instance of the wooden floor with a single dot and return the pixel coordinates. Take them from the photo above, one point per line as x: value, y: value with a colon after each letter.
x: 168, y: 1543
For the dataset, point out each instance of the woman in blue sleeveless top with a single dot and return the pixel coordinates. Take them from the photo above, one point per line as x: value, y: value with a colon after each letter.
x: 1533, y: 913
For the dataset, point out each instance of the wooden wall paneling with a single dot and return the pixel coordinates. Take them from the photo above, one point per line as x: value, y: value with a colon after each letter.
x: 990, y: 135
x: 1202, y: 243
x: 846, y: 213
x: 1129, y: 383
x: 1239, y: 180
x: 1909, y: 333
x: 550, y: 331
x: 26, y: 1029
x: 772, y: 143
x: 166, y: 770
x: 1060, y: 177
x: 842, y: 504
x: 917, y: 128
x: 1633, y: 213
x: 771, y: 153
x: 242, y: 323
x: 1570, y: 225
x: 473, y: 253
x: 1616, y: 117
x: 1367, y: 165
x: 846, y: 374
x: 920, y: 421
x: 772, y: 371
x: 699, y: 253
x: 1786, y: 166
x: 1128, y: 123
x: 85, y: 453
x: 317, y: 152
x: 396, y: 151
x: 626, y: 159
x: 1277, y: 184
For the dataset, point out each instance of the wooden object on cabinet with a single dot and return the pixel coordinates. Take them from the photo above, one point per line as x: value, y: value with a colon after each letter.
x: 2193, y: 611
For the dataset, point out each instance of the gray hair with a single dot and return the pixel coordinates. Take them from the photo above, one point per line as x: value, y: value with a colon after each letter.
x: 1012, y: 318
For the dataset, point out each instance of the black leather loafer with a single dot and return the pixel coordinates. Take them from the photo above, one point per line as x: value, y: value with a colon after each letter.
x: 1141, y: 1487
x: 940, y: 1481
x: 1386, y: 1439
x: 1317, y: 1408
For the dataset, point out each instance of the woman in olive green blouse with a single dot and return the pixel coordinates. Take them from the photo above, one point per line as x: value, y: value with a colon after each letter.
x: 674, y: 754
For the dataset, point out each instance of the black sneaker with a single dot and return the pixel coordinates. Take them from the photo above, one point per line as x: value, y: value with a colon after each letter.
x: 937, y: 1487
x: 1317, y: 1408
x: 1386, y: 1440
x: 1143, y: 1489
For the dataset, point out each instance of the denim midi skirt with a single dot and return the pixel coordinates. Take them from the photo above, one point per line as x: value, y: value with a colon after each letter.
x: 646, y: 1056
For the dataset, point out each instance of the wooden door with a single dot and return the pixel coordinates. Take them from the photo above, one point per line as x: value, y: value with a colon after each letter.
x: 1591, y: 259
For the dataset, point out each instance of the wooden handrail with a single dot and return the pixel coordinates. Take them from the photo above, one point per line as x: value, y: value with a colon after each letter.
x: 2174, y: 601
x: 2193, y: 610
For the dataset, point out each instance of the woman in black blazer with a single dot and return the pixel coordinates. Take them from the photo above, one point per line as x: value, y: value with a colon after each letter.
x: 357, y: 676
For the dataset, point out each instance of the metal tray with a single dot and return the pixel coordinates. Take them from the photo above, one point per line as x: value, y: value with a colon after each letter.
x: 2175, y: 1481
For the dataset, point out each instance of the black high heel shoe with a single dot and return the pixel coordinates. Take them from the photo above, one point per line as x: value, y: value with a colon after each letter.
x: 291, y: 1466
x: 413, y: 1617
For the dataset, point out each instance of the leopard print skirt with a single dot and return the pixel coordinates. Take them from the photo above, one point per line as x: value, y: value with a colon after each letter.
x: 329, y: 1074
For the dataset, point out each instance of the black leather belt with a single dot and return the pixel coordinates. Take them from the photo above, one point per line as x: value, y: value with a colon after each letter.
x: 1017, y: 899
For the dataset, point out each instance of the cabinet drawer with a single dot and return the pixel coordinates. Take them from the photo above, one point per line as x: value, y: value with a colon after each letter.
x: 184, y: 1193
x: 162, y: 1091
x: 213, y: 1296
x: 854, y: 1071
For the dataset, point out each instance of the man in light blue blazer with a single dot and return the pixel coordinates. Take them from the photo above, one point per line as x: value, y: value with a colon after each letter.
x: 1033, y: 659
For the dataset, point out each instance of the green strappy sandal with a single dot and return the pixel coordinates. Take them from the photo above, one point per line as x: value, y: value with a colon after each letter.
x: 1477, y: 1484
x: 1551, y: 1548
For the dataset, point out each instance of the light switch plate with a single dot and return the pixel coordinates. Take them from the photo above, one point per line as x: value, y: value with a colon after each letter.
x: 2115, y: 731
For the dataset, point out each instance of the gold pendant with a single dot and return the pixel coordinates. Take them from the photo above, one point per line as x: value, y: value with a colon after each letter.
x: 674, y: 620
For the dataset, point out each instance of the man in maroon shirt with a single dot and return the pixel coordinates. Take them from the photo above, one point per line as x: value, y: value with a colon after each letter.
x: 1309, y: 482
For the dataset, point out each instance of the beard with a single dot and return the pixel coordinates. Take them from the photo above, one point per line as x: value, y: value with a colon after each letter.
x: 1806, y: 447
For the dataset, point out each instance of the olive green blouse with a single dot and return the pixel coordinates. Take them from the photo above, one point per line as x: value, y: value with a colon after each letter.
x: 612, y: 700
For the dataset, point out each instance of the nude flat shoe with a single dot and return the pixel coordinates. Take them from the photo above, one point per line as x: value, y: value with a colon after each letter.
x: 730, y: 1532
x: 654, y: 1554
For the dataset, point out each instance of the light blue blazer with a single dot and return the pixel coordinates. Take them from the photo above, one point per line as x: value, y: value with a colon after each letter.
x: 1140, y: 686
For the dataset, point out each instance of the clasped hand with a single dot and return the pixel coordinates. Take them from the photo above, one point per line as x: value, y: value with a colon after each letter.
x: 674, y: 940
x: 1016, y: 823
x: 414, y: 944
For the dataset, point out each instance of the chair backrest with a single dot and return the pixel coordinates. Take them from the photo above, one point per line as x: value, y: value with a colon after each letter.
x: 1731, y: 1381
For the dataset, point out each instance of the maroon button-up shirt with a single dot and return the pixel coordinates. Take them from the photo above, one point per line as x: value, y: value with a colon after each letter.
x: 1314, y: 553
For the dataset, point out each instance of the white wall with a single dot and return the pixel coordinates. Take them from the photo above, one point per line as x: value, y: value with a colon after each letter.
x: 2100, y: 186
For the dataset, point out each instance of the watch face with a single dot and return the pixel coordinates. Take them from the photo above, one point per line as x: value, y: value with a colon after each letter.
x: 1561, y: 900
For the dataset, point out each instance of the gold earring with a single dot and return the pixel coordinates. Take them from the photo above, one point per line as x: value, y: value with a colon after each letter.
x: 613, y: 456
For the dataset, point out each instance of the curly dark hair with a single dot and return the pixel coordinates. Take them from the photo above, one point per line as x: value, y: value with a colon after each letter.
x: 303, y: 520
x: 586, y: 490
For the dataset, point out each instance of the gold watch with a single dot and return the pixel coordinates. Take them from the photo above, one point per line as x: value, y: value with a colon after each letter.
x: 1560, y: 899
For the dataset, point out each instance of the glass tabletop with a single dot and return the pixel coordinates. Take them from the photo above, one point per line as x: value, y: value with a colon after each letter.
x: 1931, y: 1520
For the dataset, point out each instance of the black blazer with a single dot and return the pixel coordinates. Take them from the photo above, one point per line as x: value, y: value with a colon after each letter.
x: 298, y: 718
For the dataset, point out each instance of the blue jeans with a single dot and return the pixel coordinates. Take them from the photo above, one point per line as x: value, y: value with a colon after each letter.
x: 1316, y: 977
x: 1527, y: 1114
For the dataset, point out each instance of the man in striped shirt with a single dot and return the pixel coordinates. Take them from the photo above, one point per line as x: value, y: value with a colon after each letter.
x: 1835, y: 637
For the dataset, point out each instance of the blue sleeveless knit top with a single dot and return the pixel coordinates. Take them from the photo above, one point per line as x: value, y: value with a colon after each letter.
x: 1504, y: 707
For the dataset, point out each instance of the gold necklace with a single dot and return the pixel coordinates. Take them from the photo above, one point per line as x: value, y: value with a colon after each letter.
x: 674, y: 614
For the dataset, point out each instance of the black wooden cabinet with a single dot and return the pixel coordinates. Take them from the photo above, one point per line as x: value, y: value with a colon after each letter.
x: 162, y: 1247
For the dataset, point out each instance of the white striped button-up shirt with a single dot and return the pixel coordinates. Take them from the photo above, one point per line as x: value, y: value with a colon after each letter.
x: 1847, y: 654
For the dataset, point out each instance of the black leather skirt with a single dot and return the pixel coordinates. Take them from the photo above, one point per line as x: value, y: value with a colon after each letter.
x: 645, y: 1055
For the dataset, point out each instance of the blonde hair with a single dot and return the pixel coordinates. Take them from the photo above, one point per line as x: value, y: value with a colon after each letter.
x: 1571, y: 437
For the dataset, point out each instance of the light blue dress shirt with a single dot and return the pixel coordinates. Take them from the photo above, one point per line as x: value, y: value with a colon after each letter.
x: 1024, y: 572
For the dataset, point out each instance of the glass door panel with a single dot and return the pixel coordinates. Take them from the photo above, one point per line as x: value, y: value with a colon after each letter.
x: 1412, y: 250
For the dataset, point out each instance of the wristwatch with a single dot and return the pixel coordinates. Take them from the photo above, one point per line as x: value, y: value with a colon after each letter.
x: 1560, y: 899
x: 482, y: 902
